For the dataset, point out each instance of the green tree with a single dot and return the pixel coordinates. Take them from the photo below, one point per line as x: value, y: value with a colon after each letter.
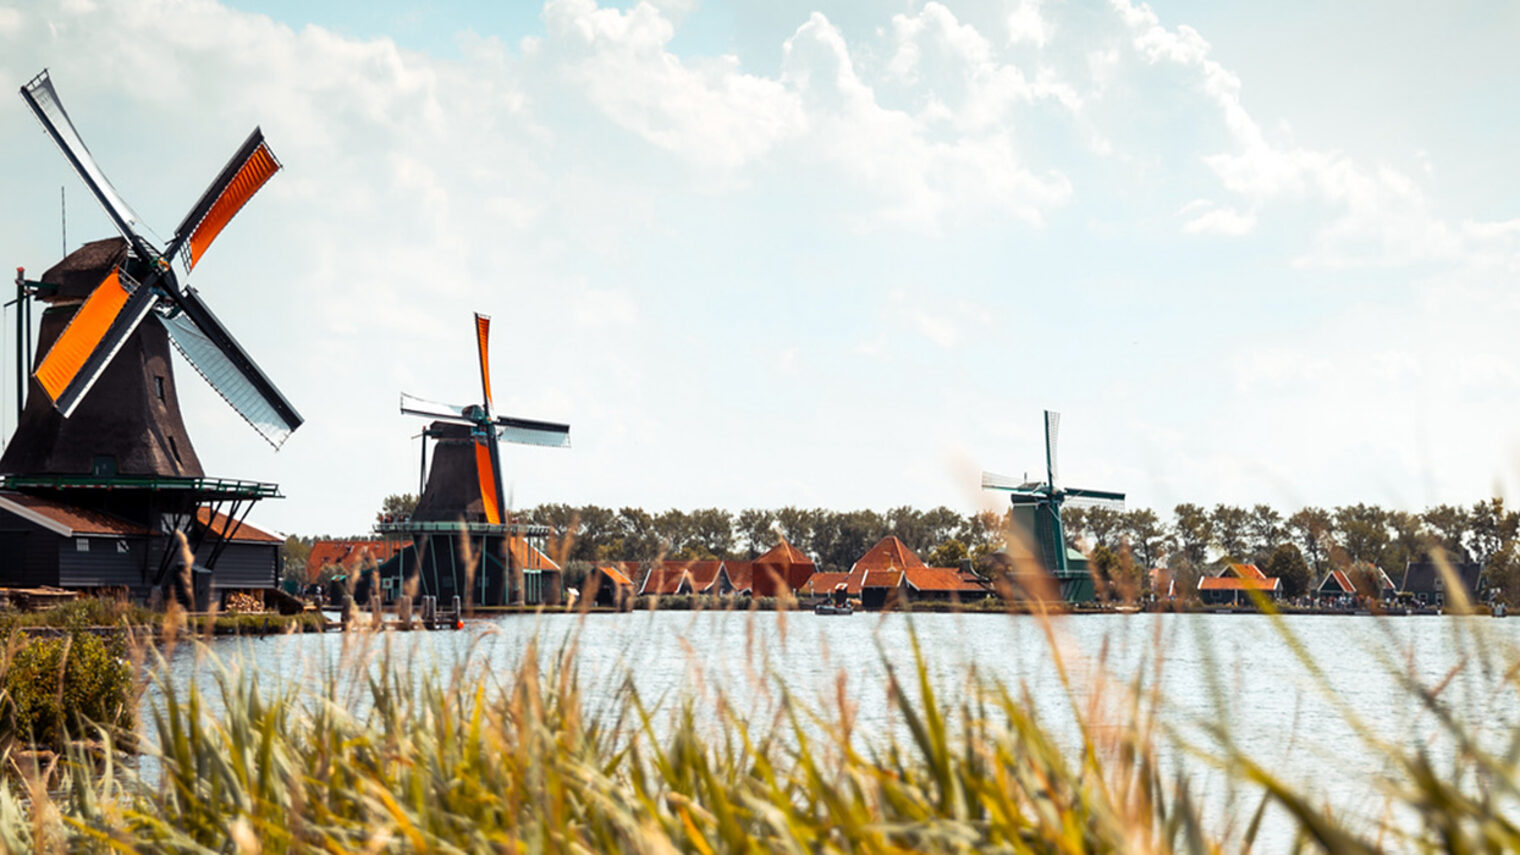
x: 396, y: 506
x: 1115, y: 575
x: 1312, y: 529
x: 638, y: 536
x: 1502, y: 573
x: 796, y: 526
x: 757, y: 531
x: 1287, y: 564
x: 948, y: 554
x: 1232, y: 527
x: 1491, y: 527
x: 293, y: 554
x: 1146, y: 536
x: 1449, y: 527
x: 1074, y: 524
x: 713, y: 530
x: 1194, y: 531
x: 1362, y: 530
x: 1265, y: 531
x: 1105, y: 526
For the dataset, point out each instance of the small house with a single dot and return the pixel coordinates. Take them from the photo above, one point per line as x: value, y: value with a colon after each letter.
x: 1426, y: 585
x: 608, y: 586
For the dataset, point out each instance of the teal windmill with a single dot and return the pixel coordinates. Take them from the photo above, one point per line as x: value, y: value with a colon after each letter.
x: 1037, y: 517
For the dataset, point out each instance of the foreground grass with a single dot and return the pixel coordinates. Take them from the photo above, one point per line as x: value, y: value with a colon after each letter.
x: 471, y: 760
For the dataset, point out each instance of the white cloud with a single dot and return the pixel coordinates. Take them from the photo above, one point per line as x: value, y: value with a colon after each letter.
x: 1026, y: 24
x: 1380, y: 216
x: 1204, y: 217
x: 707, y: 112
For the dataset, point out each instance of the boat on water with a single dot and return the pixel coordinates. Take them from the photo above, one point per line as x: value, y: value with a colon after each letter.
x: 838, y: 602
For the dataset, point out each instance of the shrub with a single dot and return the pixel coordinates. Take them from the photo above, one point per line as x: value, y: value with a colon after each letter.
x: 58, y: 687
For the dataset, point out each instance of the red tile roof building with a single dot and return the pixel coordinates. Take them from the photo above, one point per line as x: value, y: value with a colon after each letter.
x: 889, y: 553
x: 1234, y: 590
x: 784, y: 566
x: 350, y: 555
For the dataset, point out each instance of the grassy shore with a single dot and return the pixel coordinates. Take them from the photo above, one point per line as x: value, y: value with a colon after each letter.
x: 109, y: 615
x: 474, y: 759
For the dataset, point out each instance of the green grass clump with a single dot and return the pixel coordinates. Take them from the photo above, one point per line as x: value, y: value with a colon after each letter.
x: 265, y: 623
x: 80, y: 613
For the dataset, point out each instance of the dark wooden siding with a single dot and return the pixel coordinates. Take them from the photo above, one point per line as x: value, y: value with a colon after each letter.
x: 245, y: 565
x: 28, y: 554
x: 109, y: 562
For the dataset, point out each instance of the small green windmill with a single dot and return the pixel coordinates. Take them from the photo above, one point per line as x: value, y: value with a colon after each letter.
x: 1037, y: 515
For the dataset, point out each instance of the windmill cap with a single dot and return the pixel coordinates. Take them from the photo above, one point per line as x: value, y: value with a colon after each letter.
x: 81, y: 271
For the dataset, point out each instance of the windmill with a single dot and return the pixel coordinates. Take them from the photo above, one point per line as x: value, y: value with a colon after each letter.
x: 1037, y: 512
x: 101, y: 421
x: 462, y: 502
x: 143, y: 283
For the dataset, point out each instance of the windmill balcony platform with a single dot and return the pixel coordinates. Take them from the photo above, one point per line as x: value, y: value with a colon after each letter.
x: 214, y: 489
x: 461, y: 527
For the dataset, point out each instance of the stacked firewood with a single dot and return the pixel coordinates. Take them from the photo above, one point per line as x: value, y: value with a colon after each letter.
x: 244, y: 603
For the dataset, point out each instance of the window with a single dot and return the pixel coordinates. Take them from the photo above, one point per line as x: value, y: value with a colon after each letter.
x: 158, y: 387
x: 81, y: 544
x: 121, y: 546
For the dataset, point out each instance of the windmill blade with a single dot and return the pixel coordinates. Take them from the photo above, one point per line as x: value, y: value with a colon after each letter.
x: 1094, y: 498
x: 1052, y: 431
x: 92, y: 338
x: 40, y: 96
x: 994, y: 481
x: 212, y: 351
x: 531, y: 432
x: 483, y: 342
x: 249, y: 169
x: 414, y: 406
x: 487, y: 471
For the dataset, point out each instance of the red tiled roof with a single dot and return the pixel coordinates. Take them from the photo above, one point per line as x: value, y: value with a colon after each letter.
x: 1233, y: 583
x: 704, y: 574
x: 615, y: 575
x: 242, y: 532
x: 741, y: 574
x: 1245, y: 571
x: 943, y: 579
x: 824, y: 583
x: 862, y: 578
x: 57, y: 516
x: 1339, y: 577
x: 666, y: 577
x: 783, y: 568
x: 527, y: 556
x: 350, y: 553
x: 784, y: 553
x: 888, y: 554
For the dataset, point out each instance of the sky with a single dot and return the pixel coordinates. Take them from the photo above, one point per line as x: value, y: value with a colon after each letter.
x: 826, y: 254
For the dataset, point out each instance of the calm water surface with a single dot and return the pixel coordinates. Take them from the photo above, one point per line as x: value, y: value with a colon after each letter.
x: 1241, y: 671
